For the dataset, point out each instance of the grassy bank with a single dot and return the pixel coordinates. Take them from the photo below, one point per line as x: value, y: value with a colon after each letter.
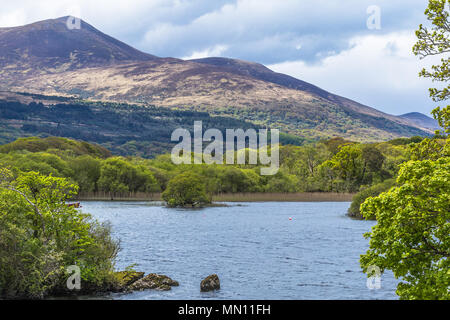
x: 272, y: 196
x: 128, y: 196
x: 227, y: 197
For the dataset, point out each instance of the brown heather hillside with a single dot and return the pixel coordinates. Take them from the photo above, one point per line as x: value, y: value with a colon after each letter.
x: 47, y: 58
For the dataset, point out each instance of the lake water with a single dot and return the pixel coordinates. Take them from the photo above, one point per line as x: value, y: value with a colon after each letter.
x: 255, y: 248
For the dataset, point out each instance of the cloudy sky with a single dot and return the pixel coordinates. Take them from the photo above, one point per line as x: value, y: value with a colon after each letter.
x: 325, y: 42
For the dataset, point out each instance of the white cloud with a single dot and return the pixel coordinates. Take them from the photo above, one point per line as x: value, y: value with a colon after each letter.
x: 269, y: 31
x: 378, y: 70
x: 266, y: 31
x: 216, y: 51
x: 13, y: 18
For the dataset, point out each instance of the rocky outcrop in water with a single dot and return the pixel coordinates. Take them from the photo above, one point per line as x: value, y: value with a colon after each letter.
x: 126, y: 278
x: 154, y: 281
x: 210, y: 283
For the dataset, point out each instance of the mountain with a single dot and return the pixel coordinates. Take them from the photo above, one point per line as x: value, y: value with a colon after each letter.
x: 422, y: 120
x: 50, y: 47
x: 50, y: 59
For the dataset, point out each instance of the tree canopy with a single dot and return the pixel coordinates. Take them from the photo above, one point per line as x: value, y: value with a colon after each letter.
x: 436, y: 41
x: 412, y: 234
x: 186, y: 190
x: 41, y: 236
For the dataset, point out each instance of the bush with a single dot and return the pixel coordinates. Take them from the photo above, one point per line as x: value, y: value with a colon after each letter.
x: 373, y: 191
x: 118, y: 176
x: 40, y: 236
x: 186, y: 190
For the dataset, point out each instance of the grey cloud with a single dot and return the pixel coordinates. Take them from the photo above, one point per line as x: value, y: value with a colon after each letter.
x: 266, y: 31
x: 270, y: 31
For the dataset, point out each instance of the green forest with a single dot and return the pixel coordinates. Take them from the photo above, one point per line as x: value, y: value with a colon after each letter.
x: 334, y: 165
x: 124, y: 129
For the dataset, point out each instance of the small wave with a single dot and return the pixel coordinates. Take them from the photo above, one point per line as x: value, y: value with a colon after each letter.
x: 313, y: 285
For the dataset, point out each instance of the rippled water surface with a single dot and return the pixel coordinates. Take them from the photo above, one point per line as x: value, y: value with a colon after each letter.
x: 255, y: 248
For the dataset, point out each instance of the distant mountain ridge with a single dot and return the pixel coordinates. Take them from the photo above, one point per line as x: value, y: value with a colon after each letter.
x: 48, y: 58
x: 422, y: 120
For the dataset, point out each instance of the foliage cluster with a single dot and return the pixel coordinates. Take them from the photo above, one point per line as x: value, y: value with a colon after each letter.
x: 40, y: 236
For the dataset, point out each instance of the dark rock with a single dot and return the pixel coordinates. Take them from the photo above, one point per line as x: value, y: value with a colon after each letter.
x: 210, y: 283
x: 154, y: 281
x: 126, y: 278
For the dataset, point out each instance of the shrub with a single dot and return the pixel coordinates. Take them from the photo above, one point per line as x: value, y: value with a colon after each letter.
x: 373, y: 191
x: 186, y: 190
x: 40, y: 236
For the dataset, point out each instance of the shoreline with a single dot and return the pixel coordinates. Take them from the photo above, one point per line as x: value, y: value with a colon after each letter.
x: 230, y: 197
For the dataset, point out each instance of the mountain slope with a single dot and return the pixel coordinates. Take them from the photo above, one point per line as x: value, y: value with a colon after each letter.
x: 261, y: 72
x: 88, y: 64
x: 421, y: 120
x: 50, y: 47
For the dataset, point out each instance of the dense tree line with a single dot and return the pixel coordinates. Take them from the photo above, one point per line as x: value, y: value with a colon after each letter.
x: 334, y: 165
x: 122, y: 128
